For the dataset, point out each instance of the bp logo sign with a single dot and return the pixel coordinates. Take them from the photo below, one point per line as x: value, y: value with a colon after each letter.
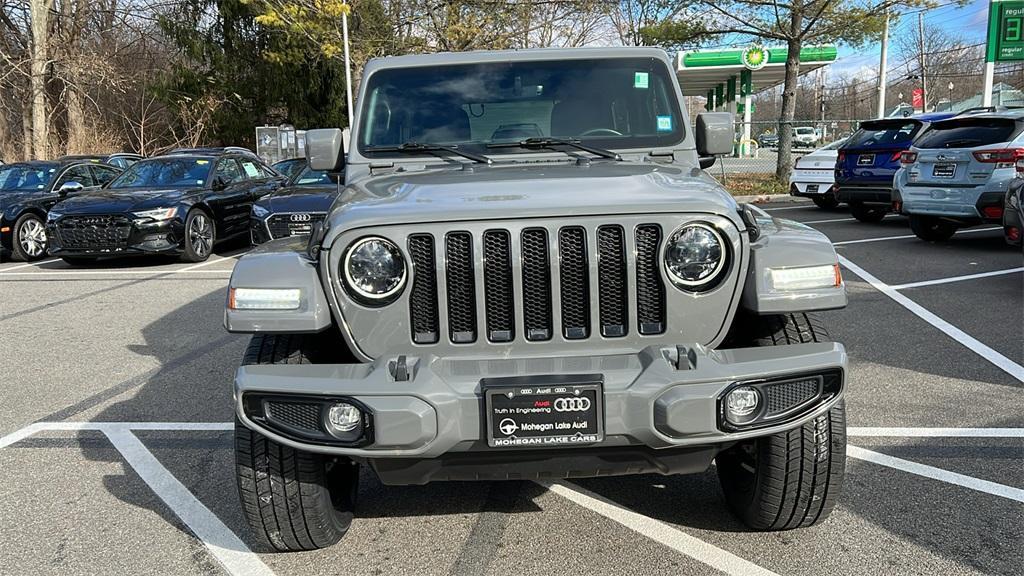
x: 754, y: 57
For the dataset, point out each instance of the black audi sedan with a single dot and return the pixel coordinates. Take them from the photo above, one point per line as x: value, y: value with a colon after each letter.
x: 294, y: 209
x: 28, y: 190
x: 179, y: 204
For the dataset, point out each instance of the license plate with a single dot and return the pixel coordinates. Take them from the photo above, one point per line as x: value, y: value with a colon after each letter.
x: 866, y: 160
x: 812, y: 188
x: 944, y: 170
x: 544, y: 415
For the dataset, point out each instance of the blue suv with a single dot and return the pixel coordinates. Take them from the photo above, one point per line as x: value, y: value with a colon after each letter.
x: 868, y: 161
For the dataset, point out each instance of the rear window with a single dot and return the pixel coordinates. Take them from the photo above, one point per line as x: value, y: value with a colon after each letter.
x: 969, y: 132
x: 883, y: 134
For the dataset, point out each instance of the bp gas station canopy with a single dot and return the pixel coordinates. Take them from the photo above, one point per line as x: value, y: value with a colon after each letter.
x: 722, y: 75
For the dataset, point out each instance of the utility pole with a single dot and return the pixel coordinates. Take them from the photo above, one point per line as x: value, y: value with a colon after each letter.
x: 920, y: 43
x: 882, y: 67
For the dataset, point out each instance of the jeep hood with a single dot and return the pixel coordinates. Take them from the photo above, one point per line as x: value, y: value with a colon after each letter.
x: 549, y: 190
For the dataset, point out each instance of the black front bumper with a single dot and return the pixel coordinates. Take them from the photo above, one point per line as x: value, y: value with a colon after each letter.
x: 114, y: 235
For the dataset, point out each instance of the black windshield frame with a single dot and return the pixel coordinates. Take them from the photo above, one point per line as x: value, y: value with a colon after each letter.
x: 645, y: 99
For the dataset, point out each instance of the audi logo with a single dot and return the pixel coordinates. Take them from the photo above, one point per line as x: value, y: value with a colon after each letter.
x: 301, y: 218
x: 580, y: 404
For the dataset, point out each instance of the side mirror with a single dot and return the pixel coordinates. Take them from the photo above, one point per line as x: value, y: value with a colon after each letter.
x: 71, y: 187
x: 706, y: 162
x: 325, y: 150
x: 714, y: 134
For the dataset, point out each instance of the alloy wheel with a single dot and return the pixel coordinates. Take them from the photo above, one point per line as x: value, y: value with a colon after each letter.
x: 32, y: 238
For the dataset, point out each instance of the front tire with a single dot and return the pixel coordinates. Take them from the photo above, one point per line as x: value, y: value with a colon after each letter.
x: 827, y: 201
x: 870, y: 214
x: 199, y: 236
x: 29, y: 238
x: 931, y: 229
x: 790, y: 479
x: 293, y: 500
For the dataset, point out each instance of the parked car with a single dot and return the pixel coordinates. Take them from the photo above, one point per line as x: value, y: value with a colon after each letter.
x: 541, y: 307
x: 957, y: 173
x: 814, y: 174
x: 805, y: 137
x: 180, y: 204
x: 868, y: 160
x: 120, y: 160
x: 28, y: 190
x: 768, y: 140
x: 294, y: 209
x: 1013, y: 210
x: 289, y: 168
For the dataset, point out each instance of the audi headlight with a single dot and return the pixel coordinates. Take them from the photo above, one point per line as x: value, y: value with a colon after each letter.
x: 374, y: 270
x: 695, y: 257
x: 259, y: 211
x: 156, y: 214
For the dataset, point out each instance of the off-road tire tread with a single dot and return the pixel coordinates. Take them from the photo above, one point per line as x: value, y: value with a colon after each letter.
x: 799, y: 472
x: 284, y: 491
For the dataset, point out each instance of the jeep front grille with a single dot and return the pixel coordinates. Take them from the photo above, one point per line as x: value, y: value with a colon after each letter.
x: 528, y: 275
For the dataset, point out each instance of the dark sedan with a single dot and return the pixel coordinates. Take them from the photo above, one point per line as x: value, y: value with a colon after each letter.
x: 180, y: 204
x: 29, y: 189
x: 293, y: 210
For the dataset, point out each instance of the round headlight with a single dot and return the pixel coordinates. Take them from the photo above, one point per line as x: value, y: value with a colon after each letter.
x: 695, y: 256
x: 374, y: 269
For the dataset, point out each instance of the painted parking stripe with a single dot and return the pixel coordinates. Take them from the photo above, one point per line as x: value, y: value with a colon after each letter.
x: 904, y: 237
x: 934, y: 473
x: 658, y: 531
x: 225, y: 546
x: 1002, y: 362
x: 879, y: 432
x: 956, y: 278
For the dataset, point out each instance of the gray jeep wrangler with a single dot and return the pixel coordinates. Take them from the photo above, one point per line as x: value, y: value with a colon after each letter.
x: 527, y: 275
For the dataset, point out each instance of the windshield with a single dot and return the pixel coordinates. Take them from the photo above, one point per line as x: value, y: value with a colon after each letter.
x: 617, y: 103
x: 24, y: 178
x: 168, y: 172
x: 309, y: 176
x: 969, y: 132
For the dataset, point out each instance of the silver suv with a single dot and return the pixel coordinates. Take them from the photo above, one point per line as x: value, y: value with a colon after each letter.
x: 528, y: 275
x: 957, y: 172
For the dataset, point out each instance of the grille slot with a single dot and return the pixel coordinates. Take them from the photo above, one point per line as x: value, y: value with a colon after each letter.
x: 499, y: 299
x: 461, y: 287
x: 94, y: 232
x: 574, y: 280
x: 301, y: 415
x: 283, y: 226
x: 650, y: 289
x: 423, y: 299
x: 536, y: 284
x: 785, y: 396
x: 611, y: 281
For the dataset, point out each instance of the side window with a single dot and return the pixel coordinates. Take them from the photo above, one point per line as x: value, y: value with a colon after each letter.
x: 227, y: 169
x: 80, y: 174
x: 102, y: 174
x: 251, y: 169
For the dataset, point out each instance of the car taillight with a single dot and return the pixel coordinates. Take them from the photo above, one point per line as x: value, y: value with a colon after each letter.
x: 999, y: 155
x: 906, y: 157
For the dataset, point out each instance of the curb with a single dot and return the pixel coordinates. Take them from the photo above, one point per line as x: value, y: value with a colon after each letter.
x: 774, y: 198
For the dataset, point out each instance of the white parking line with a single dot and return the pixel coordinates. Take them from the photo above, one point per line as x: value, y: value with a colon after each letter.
x: 1002, y: 362
x: 658, y: 531
x: 904, y: 237
x: 26, y: 265
x: 934, y: 473
x: 956, y: 279
x: 936, y: 432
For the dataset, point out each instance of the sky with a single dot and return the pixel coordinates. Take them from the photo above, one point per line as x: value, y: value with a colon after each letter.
x: 969, y: 20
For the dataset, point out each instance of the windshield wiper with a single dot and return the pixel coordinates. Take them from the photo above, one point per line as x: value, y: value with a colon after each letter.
x: 416, y: 147
x: 551, y: 143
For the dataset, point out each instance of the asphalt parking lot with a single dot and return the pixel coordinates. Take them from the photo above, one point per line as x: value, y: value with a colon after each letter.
x: 116, y: 450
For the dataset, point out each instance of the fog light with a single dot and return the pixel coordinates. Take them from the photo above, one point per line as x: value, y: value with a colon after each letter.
x: 344, y: 418
x: 741, y: 405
